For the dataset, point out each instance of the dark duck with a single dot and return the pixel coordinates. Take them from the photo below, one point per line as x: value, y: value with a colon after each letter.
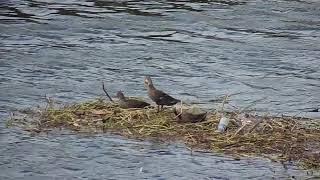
x: 127, y: 103
x: 159, y: 97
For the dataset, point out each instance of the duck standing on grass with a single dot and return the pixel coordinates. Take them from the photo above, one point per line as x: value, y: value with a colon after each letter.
x: 130, y: 103
x: 159, y: 97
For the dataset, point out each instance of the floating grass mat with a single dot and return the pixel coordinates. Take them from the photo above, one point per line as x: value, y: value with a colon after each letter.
x: 285, y: 139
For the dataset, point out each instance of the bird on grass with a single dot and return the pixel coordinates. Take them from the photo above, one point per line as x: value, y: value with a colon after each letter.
x: 159, y: 97
x: 127, y: 103
x: 189, y: 114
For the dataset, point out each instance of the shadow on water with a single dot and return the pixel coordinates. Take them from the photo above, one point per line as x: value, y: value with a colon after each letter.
x: 267, y: 33
x: 123, y: 7
x: 152, y: 8
x: 15, y: 14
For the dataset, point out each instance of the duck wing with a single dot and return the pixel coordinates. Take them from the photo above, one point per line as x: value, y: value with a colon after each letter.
x: 134, y: 103
x: 185, y: 117
x: 165, y: 99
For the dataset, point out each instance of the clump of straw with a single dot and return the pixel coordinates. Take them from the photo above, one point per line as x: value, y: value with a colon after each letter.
x: 286, y: 139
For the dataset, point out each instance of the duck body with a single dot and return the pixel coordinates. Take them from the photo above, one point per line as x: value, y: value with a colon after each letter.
x: 161, y: 98
x: 128, y: 103
x: 158, y: 96
x: 191, y: 118
x: 190, y: 115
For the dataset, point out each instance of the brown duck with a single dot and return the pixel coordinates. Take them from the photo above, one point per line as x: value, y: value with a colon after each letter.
x: 126, y: 103
x: 189, y: 115
x: 159, y: 97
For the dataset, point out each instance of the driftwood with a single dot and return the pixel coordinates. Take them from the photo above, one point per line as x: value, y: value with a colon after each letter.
x: 105, y: 91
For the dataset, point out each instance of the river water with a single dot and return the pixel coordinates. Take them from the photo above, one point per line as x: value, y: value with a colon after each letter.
x: 264, y: 53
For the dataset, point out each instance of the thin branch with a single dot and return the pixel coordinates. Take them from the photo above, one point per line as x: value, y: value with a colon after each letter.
x: 225, y: 99
x: 49, y: 101
x: 255, y: 125
x: 106, y: 92
x: 177, y: 115
x: 240, y: 129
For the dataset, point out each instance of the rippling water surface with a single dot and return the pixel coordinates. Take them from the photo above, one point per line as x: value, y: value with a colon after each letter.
x: 264, y: 52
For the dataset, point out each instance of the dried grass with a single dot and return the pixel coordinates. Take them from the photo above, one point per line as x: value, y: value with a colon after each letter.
x: 287, y: 139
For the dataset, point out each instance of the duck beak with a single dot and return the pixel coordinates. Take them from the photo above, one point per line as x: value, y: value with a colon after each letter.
x: 146, y: 83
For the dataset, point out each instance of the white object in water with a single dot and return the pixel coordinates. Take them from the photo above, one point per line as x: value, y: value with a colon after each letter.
x: 223, y: 124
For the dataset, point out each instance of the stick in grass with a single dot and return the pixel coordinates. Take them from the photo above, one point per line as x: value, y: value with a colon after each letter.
x: 104, y: 89
x: 177, y: 115
x: 255, y: 125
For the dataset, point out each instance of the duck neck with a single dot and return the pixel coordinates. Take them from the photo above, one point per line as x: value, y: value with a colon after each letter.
x: 122, y: 98
x: 151, y: 87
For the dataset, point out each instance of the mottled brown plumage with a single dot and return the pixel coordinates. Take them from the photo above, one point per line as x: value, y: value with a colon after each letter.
x: 159, y: 97
x: 126, y: 103
x: 191, y: 115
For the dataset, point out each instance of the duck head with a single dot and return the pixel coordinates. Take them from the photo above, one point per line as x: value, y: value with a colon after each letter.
x: 120, y: 95
x: 148, y: 82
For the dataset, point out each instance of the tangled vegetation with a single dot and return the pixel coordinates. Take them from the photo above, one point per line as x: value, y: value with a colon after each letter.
x: 286, y: 139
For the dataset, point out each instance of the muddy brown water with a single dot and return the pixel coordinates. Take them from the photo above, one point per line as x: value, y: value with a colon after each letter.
x: 264, y: 52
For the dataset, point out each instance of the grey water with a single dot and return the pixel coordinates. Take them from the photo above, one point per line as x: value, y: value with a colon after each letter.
x: 264, y: 53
